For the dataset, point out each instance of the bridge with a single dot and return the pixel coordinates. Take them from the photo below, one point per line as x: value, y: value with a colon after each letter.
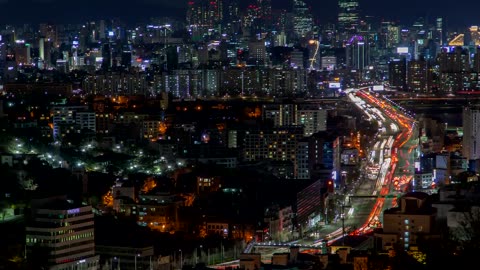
x: 287, y: 245
x: 371, y: 196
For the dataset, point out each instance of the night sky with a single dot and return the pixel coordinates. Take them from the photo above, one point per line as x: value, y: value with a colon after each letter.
x: 458, y: 13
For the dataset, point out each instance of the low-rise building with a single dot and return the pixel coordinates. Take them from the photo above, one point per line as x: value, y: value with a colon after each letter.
x: 412, y: 219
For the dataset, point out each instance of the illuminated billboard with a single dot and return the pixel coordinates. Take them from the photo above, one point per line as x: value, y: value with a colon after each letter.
x: 402, y: 50
x: 334, y: 85
x: 378, y: 88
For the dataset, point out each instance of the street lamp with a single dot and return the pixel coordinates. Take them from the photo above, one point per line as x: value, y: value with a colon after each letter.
x: 181, y: 259
x: 136, y: 255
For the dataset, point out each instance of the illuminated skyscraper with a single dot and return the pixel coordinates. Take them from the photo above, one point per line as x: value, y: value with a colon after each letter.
x: 3, y: 58
x: 358, y: 53
x: 265, y: 13
x: 302, y: 18
x: 439, y: 35
x: 49, y: 31
x: 265, y: 8
x: 389, y: 35
x: 348, y: 17
x: 204, y: 15
x: 231, y: 16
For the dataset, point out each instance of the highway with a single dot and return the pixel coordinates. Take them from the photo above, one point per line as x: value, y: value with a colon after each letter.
x: 400, y: 131
x: 385, y: 175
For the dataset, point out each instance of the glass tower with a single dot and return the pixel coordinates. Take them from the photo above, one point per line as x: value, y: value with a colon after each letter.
x: 348, y: 16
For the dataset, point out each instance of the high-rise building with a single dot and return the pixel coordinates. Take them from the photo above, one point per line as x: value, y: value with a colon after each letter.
x: 301, y: 169
x: 454, y: 67
x: 258, y: 52
x: 440, y: 34
x: 22, y: 53
x: 265, y: 13
x: 3, y: 58
x: 50, y: 33
x: 312, y: 118
x: 357, y: 52
x: 348, y: 17
x: 203, y: 15
x: 210, y: 82
x: 389, y: 35
x: 471, y: 133
x: 265, y: 8
x: 60, y: 235
x: 231, y: 16
x: 302, y: 19
x: 397, y: 73
x: 297, y: 59
x: 417, y: 76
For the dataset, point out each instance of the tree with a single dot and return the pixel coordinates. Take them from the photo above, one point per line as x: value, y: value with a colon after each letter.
x: 468, y: 231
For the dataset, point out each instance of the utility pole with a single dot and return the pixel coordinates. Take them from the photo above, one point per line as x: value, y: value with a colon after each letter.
x: 343, y: 222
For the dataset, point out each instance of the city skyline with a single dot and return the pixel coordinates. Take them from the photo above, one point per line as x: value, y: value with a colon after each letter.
x: 60, y: 11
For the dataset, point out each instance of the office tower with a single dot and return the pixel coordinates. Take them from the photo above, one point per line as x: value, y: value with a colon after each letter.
x: 22, y: 53
x: 258, y: 52
x: 357, y: 52
x: 389, y: 35
x: 101, y: 30
x: 41, y: 48
x: 454, y: 69
x: 397, y: 73
x: 265, y: 8
x: 126, y: 61
x: 3, y: 59
x: 297, y: 59
x: 302, y: 19
x: 265, y: 13
x: 280, y: 20
x: 417, y: 78
x: 250, y: 21
x: 471, y: 133
x: 439, y: 31
x: 106, y: 56
x: 60, y: 235
x: 348, y: 17
x: 231, y: 22
x: 50, y: 33
x: 215, y: 11
x: 474, y: 36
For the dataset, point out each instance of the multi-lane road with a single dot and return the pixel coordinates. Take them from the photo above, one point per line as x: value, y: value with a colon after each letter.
x: 397, y: 128
x: 389, y: 161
